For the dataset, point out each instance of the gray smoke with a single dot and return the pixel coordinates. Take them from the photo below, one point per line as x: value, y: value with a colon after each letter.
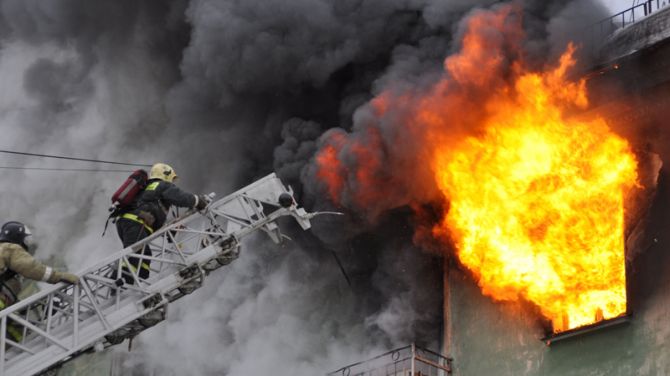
x: 228, y: 91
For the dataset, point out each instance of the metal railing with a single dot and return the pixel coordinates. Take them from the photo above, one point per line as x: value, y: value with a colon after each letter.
x: 410, y: 360
x: 603, y: 28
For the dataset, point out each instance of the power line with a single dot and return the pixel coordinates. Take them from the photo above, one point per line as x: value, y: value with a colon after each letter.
x: 73, y: 158
x: 60, y: 169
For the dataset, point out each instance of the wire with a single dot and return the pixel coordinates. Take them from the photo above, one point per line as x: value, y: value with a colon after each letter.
x: 73, y: 158
x: 60, y: 169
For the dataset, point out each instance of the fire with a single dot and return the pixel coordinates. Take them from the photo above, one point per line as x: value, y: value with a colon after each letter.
x: 332, y: 175
x: 537, y: 203
x: 535, y: 194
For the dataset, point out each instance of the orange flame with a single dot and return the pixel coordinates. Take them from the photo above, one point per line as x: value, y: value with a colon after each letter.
x: 537, y: 203
x: 331, y: 170
x: 536, y: 196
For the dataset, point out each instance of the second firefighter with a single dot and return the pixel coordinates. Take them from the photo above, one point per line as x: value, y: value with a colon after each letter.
x: 150, y: 212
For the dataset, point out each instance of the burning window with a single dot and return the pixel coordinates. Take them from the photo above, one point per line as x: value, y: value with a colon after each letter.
x: 535, y: 190
x: 537, y: 202
x: 537, y: 195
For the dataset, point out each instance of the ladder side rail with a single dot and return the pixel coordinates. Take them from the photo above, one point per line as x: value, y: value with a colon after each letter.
x: 48, y: 356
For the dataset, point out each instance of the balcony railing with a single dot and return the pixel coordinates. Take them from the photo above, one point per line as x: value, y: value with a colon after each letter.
x: 406, y: 361
x: 602, y: 29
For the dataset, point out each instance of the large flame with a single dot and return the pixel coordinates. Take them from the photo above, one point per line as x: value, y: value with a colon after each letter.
x: 537, y: 203
x: 535, y: 194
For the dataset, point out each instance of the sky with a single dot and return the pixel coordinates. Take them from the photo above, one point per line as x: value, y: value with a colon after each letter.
x: 616, y: 6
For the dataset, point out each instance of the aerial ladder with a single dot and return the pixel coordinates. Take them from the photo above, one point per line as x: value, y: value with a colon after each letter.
x: 65, y: 321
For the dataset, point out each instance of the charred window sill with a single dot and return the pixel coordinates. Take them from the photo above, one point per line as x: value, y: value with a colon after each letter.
x: 578, y: 332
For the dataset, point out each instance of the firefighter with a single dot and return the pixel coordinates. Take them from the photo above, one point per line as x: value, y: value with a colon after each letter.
x: 150, y: 213
x: 16, y: 261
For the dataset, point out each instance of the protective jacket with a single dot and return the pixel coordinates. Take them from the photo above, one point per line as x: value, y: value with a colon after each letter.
x: 15, y: 258
x: 15, y: 262
x: 157, y: 198
x: 10, y: 287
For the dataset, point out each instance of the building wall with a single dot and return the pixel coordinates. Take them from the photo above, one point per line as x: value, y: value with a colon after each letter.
x: 504, y: 339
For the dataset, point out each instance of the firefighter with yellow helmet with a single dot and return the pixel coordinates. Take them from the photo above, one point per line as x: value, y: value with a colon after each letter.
x: 150, y: 213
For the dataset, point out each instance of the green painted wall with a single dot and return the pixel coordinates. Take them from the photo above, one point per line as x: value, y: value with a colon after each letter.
x: 504, y: 339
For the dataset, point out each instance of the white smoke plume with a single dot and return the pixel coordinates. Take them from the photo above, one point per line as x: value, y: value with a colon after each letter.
x: 228, y: 91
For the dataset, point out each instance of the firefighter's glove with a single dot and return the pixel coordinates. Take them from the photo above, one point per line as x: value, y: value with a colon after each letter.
x: 67, y: 277
x: 202, y: 202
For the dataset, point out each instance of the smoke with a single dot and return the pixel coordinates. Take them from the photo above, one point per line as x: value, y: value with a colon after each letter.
x: 228, y: 92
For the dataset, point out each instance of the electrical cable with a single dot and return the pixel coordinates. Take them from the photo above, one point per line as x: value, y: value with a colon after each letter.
x: 60, y: 169
x: 73, y: 158
x: 339, y: 264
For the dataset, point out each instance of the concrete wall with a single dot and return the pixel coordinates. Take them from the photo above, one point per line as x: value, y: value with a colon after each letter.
x: 638, y: 36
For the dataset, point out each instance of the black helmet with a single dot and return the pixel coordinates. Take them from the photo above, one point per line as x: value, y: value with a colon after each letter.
x: 14, y: 232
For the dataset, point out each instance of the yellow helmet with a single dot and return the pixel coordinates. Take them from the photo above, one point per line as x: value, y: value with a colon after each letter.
x: 163, y: 172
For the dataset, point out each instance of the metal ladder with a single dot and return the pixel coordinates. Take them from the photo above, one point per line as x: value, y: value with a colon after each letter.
x: 64, y: 321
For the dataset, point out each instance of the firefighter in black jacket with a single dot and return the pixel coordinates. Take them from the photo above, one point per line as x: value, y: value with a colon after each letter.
x: 150, y: 213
